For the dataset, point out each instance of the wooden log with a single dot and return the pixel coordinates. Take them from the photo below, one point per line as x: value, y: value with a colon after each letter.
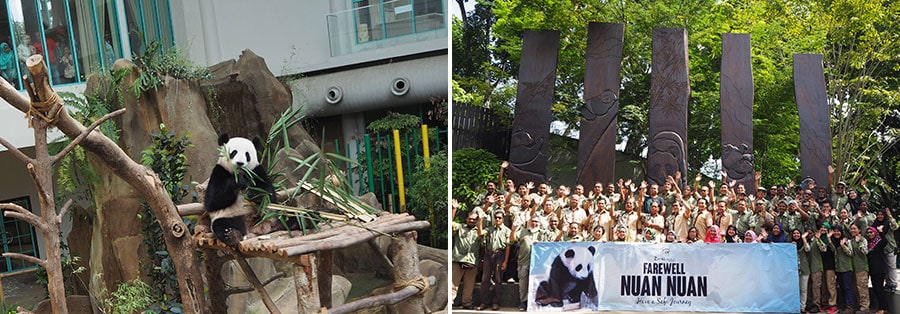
x: 379, y: 300
x: 307, y: 286
x: 213, y: 263
x: 404, y: 252
x: 277, y: 276
x: 326, y: 262
x: 254, y: 281
x: 348, y: 241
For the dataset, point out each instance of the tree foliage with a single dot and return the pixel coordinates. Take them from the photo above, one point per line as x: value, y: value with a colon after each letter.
x: 858, y: 39
x: 472, y: 168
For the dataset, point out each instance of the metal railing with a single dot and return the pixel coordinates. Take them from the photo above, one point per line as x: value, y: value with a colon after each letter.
x: 376, y: 168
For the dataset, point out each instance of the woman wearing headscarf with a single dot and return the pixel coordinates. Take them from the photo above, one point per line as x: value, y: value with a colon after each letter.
x: 712, y: 235
x: 731, y: 235
x: 853, y: 201
x: 886, y: 225
x: 7, y: 63
x: 649, y: 236
x: 671, y: 237
x: 777, y: 235
x: 859, y: 247
x: 803, y: 250
x: 878, y: 266
x: 750, y: 236
x: 843, y: 264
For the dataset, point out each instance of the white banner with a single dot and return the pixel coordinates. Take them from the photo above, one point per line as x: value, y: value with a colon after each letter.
x: 724, y: 277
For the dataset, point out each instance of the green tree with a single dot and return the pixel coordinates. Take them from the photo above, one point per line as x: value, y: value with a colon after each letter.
x: 472, y: 168
x: 858, y: 39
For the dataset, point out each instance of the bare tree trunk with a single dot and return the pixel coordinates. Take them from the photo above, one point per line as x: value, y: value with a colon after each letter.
x: 144, y: 181
x: 404, y: 253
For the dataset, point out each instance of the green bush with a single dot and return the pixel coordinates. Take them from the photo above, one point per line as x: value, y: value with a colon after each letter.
x: 428, y: 198
x: 130, y: 297
x: 472, y: 168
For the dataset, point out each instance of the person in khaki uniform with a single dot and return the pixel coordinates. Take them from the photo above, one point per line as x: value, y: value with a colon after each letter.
x: 860, y: 245
x: 493, y: 263
x: 466, y: 244
x: 526, y: 237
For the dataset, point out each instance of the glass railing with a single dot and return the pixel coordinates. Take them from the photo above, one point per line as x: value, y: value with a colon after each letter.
x: 391, y: 23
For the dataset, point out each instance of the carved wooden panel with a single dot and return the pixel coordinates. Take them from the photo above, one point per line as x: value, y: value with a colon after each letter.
x: 529, y: 141
x: 812, y: 105
x: 736, y: 99
x: 669, y: 95
x: 597, y: 141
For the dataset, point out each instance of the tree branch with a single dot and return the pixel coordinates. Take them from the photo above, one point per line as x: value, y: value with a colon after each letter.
x: 16, y: 152
x: 14, y: 207
x: 384, y: 299
x: 27, y: 258
x: 190, y: 281
x: 63, y: 210
x: 42, y: 192
x: 231, y: 291
x: 77, y: 140
x: 30, y: 218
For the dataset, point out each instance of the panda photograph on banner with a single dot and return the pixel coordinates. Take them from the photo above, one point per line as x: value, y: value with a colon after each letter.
x: 562, y: 277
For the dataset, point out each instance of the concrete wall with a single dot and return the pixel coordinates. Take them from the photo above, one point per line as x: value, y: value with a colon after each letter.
x: 17, y: 183
x: 291, y: 35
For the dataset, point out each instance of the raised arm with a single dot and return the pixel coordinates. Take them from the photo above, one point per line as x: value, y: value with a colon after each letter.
x: 500, y: 177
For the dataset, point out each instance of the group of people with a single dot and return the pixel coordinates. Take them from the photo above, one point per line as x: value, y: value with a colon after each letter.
x: 842, y: 242
x: 62, y: 64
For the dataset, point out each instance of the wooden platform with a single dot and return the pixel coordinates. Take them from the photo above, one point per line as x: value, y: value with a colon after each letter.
x: 289, y: 246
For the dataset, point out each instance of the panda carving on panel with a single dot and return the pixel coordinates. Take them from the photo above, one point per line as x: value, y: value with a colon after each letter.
x: 229, y: 185
x: 571, y: 274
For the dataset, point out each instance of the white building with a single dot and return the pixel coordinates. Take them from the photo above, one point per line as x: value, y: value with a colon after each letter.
x: 351, y: 59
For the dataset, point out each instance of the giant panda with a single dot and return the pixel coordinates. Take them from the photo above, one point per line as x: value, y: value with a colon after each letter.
x: 229, y: 185
x: 571, y: 274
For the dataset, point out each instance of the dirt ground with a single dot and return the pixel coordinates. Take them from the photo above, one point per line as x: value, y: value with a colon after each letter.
x: 22, y: 290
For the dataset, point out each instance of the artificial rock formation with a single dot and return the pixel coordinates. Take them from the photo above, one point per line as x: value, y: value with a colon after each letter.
x: 116, y: 243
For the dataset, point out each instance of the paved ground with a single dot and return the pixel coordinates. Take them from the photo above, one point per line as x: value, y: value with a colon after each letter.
x: 22, y: 290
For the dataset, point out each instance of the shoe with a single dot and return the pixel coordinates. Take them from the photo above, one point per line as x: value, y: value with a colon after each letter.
x: 815, y: 309
x: 523, y: 306
x: 481, y: 307
x: 467, y: 307
x: 495, y: 307
x: 831, y: 310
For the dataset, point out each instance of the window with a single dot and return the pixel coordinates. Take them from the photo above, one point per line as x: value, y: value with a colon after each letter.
x: 76, y: 37
x: 17, y: 237
x: 373, y: 24
x: 148, y: 21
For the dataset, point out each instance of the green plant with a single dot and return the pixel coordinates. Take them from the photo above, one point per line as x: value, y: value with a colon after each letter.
x: 428, y: 198
x: 392, y: 121
x: 129, y: 297
x: 156, y: 62
x: 472, y: 168
x: 70, y: 268
x: 9, y: 308
x: 165, y: 156
x: 315, y: 169
x: 74, y: 169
